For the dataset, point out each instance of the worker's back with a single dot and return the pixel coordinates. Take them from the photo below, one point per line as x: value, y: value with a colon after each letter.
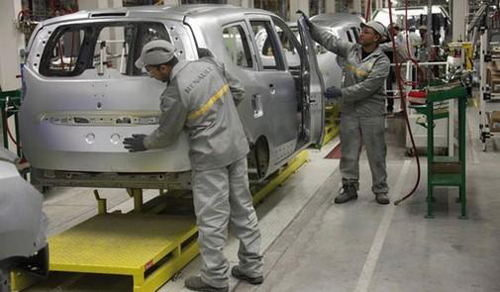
x: 216, y: 134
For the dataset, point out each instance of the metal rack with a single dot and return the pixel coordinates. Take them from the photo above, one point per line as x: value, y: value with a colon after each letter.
x: 10, y: 101
x: 444, y: 128
x: 489, y: 98
x: 445, y: 170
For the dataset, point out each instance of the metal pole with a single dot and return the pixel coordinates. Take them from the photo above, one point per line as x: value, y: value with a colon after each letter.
x: 462, y: 107
x: 137, y: 194
x: 283, y: 9
x: 18, y: 135
x: 4, y: 122
x: 459, y: 17
x: 357, y: 6
x: 330, y: 6
x: 430, y: 157
x: 429, y: 37
x: 483, y: 120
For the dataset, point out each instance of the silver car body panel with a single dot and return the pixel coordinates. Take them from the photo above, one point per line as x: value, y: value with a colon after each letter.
x: 76, y: 124
x: 23, y: 225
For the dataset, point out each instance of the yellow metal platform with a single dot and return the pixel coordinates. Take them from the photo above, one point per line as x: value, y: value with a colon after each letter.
x: 332, y: 127
x: 280, y: 177
x: 151, y: 248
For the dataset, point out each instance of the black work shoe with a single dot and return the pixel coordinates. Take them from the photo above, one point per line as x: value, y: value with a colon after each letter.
x: 382, y: 198
x: 238, y: 274
x: 195, y: 283
x: 349, y: 192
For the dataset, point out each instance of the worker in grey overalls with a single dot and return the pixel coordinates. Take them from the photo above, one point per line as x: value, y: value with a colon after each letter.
x: 199, y: 100
x: 362, y: 100
x: 401, y: 55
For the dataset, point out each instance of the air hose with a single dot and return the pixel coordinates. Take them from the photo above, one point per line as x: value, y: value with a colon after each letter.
x: 401, y: 83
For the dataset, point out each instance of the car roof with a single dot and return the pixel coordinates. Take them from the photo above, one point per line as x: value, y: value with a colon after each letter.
x: 337, y: 19
x: 212, y: 11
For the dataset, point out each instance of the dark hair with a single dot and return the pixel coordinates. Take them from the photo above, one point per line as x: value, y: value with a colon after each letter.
x: 173, y: 61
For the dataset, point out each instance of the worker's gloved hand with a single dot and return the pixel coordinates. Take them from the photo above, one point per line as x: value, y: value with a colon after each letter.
x: 333, y: 93
x: 135, y: 143
x: 306, y: 19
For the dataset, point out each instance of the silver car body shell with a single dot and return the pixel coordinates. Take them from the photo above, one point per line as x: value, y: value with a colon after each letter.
x: 23, y: 225
x: 55, y: 145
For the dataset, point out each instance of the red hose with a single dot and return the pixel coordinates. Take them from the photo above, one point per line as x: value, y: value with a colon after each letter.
x: 403, y: 96
x: 9, y: 133
x: 368, y: 14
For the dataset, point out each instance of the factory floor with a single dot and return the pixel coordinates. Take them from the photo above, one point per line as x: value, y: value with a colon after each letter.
x: 312, y: 244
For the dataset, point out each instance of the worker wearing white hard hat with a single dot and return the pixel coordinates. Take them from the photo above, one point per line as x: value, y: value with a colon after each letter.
x: 401, y: 56
x: 378, y: 27
x: 362, y: 100
x: 200, y: 98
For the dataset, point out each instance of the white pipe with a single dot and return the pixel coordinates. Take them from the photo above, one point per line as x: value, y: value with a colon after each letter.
x: 101, y: 58
x: 110, y: 41
x: 122, y: 57
x: 425, y: 64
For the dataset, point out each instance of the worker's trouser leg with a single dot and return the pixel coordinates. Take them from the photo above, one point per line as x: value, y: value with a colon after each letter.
x: 370, y: 130
x: 244, y: 223
x: 350, y: 149
x: 222, y: 196
x: 373, y: 134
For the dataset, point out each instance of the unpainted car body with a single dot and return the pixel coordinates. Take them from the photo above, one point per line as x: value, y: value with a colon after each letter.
x: 82, y: 95
x: 23, y: 225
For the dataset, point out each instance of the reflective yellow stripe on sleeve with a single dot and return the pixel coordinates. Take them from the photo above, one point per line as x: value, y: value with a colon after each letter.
x: 209, y: 104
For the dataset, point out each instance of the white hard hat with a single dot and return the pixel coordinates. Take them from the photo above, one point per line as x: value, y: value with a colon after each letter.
x: 378, y: 28
x: 155, y: 53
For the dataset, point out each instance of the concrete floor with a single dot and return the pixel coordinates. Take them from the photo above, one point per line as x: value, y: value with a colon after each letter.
x: 311, y: 244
